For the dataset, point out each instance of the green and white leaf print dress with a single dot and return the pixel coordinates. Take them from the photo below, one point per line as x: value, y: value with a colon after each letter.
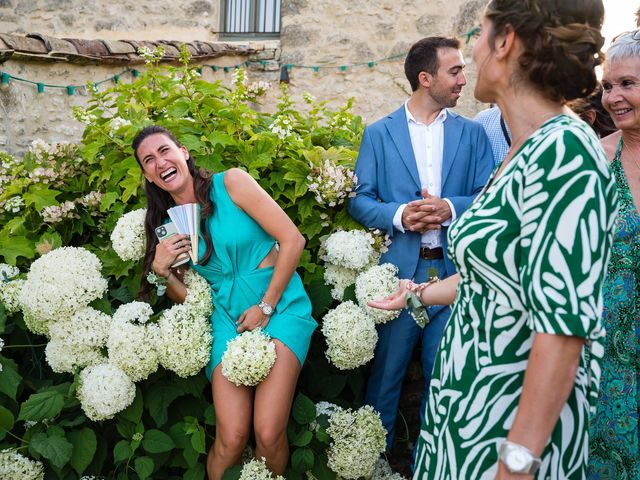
x: 532, y: 253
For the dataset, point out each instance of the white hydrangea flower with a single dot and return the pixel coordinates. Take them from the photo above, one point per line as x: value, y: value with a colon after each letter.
x: 76, y: 342
x: 14, y: 466
x: 57, y: 213
x: 128, y: 237
x: 9, y: 294
x: 12, y: 204
x: 248, y: 358
x: 67, y: 358
x: 349, y: 249
x: 376, y: 283
x: 257, y: 470
x: 322, y: 409
x: 357, y: 440
x: 116, y: 124
x: 339, y: 278
x: 91, y: 200
x: 132, y: 344
x: 59, y: 284
x: 383, y: 471
x: 198, y: 297
x: 350, y: 334
x: 104, y: 391
x: 282, y: 127
x: 184, y: 340
x: 331, y: 183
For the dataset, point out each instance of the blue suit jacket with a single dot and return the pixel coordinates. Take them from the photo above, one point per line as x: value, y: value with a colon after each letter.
x: 388, y: 177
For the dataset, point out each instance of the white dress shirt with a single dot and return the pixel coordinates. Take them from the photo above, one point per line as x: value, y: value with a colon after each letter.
x: 428, y: 145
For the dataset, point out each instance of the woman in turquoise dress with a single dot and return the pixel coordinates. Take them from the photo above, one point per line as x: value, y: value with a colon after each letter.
x: 615, y: 453
x: 516, y: 376
x: 253, y: 284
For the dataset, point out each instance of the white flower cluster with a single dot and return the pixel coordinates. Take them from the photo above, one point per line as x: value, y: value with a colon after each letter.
x: 375, y: 283
x: 104, y: 391
x: 151, y: 56
x: 76, y: 342
x: 58, y: 213
x: 350, y: 334
x: 350, y: 249
x: 91, y: 200
x: 82, y: 115
x: 14, y: 466
x: 248, y: 358
x: 184, y: 336
x: 331, y: 183
x: 116, y: 124
x: 257, y: 470
x: 12, y: 204
x: 282, y: 127
x: 325, y: 409
x: 55, y: 163
x: 357, y: 440
x: 339, y: 278
x: 132, y: 342
x: 258, y: 89
x: 128, y: 237
x: 58, y: 284
x: 383, y: 471
x: 346, y: 254
x: 9, y: 294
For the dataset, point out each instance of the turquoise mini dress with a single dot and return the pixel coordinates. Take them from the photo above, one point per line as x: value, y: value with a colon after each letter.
x: 239, y: 245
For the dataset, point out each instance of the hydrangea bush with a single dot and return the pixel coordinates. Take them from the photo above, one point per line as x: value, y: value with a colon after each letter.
x: 95, y: 383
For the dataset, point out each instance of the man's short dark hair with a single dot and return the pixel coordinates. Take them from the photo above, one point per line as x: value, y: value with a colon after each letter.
x: 423, y: 57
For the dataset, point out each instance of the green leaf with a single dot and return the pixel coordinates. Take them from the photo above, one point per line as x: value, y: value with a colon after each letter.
x: 190, y: 455
x: 144, y: 467
x: 121, y: 451
x: 6, y: 421
x: 302, y: 439
x: 14, y: 246
x: 196, y: 472
x: 156, y: 441
x: 9, y: 378
x: 40, y: 406
x: 304, y: 410
x: 54, y: 448
x: 84, y: 448
x: 210, y: 415
x: 40, y: 196
x: 232, y: 473
x: 302, y: 459
x: 320, y: 296
x: 198, y: 441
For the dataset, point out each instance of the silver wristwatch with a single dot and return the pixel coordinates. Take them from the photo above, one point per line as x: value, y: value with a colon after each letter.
x: 517, y: 458
x: 267, y: 309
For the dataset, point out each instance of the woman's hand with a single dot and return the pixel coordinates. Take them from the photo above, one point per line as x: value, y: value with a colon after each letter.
x: 251, y: 319
x: 397, y: 300
x: 168, y: 250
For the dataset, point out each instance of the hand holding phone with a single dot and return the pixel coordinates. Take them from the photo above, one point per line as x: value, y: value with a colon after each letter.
x: 168, y: 230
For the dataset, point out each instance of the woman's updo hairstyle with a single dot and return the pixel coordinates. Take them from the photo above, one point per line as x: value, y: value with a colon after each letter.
x: 561, y: 41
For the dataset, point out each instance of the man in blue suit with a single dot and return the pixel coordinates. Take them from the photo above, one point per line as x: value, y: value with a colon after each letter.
x: 418, y: 169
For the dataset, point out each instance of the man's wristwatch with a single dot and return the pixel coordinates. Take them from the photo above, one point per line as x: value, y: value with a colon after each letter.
x: 267, y: 309
x: 517, y: 458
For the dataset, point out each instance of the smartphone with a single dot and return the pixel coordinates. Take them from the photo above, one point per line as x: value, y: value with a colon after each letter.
x: 167, y: 230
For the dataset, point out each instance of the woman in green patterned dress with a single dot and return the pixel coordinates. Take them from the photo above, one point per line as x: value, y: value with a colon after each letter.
x: 615, y: 453
x: 516, y: 375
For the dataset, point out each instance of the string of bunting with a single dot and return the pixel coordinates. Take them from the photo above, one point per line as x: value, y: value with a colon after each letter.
x: 6, y: 78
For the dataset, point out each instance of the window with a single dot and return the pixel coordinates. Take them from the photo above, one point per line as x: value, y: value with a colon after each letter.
x: 251, y: 18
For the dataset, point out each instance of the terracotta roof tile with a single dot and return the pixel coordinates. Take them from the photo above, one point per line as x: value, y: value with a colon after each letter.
x: 119, y: 52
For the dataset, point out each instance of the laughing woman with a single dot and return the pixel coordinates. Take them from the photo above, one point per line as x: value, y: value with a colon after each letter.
x: 253, y: 284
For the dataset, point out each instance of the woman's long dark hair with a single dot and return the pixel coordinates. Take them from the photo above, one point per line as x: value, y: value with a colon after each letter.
x: 159, y: 201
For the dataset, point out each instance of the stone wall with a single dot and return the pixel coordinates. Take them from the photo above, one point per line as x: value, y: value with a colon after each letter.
x: 323, y: 33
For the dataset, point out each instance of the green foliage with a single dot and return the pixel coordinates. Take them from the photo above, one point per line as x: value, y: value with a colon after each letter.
x: 73, y: 195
